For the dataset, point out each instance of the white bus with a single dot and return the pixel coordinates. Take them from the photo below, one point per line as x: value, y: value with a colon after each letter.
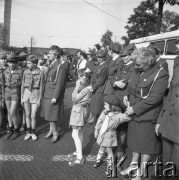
x: 165, y: 42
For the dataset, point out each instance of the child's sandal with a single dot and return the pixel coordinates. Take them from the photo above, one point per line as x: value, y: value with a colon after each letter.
x: 98, y: 163
x: 76, y: 162
x: 72, y: 154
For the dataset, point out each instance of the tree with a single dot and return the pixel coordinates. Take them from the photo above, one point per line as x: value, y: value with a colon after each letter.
x: 3, y: 34
x: 170, y: 21
x: 107, y: 38
x: 142, y: 22
x: 160, y: 11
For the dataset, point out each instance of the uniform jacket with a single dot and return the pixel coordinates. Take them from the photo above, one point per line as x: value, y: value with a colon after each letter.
x: 169, y: 116
x: 139, y: 85
x: 13, y: 79
x: 80, y: 109
x: 124, y: 73
x: 99, y: 78
x: 55, y: 83
x: 109, y: 138
x: 112, y: 71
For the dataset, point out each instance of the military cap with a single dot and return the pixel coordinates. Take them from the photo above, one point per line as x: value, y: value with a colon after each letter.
x: 177, y: 40
x: 22, y: 56
x: 112, y: 100
x: 12, y: 58
x: 155, y: 48
x: 128, y: 50
x: 115, y: 47
x: 101, y: 53
x: 33, y: 59
x: 3, y: 55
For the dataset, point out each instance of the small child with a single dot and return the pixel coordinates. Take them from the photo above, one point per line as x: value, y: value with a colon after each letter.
x: 81, y: 98
x: 105, y: 129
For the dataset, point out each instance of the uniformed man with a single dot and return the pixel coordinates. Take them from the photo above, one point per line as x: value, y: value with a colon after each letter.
x: 115, y: 49
x: 98, y: 83
x: 168, y: 121
x: 13, y: 79
x: 120, y: 83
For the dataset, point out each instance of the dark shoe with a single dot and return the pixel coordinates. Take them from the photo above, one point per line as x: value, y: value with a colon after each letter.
x: 76, y: 162
x: 15, y: 135
x: 47, y: 136
x: 55, y: 138
x: 8, y: 135
x: 125, y: 172
x: 98, y: 163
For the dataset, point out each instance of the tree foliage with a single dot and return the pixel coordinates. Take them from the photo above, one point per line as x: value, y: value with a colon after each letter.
x: 160, y: 11
x: 107, y: 38
x: 170, y: 21
x: 142, y: 22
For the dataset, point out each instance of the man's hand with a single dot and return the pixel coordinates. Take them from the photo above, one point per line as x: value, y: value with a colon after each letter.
x: 157, y: 126
x: 120, y: 84
x: 53, y: 101
x: 126, y: 101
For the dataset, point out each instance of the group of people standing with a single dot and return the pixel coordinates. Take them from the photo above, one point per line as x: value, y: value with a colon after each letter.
x: 128, y: 88
x: 123, y: 93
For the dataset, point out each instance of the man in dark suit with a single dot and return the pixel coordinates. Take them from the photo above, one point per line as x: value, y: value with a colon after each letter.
x: 168, y: 121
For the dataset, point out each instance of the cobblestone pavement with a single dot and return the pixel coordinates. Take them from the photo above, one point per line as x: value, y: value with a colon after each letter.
x: 43, y: 160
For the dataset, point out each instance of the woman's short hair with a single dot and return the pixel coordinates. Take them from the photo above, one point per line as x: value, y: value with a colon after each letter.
x: 147, y: 56
x: 57, y: 50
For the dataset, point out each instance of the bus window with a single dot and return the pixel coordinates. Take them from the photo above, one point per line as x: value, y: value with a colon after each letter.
x: 160, y: 45
x: 171, y: 47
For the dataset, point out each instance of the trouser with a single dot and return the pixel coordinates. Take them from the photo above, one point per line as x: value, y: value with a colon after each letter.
x: 170, y: 153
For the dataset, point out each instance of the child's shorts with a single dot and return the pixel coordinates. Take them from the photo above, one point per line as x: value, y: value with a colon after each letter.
x: 31, y: 96
x: 12, y: 94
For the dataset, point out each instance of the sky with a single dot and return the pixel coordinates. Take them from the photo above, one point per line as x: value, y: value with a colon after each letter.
x: 69, y: 23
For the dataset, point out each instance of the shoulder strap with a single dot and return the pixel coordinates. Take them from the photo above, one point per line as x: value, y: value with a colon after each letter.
x: 54, y: 82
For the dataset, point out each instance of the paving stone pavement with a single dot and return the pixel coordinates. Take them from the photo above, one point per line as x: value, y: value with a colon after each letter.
x: 44, y: 160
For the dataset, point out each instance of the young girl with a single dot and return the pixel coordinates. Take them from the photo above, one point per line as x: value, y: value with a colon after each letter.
x: 105, y: 129
x: 81, y: 99
x: 31, y: 94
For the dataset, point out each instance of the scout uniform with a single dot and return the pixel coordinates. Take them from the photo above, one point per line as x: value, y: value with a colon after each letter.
x: 98, y: 84
x: 32, y: 83
x: 146, y: 92
x: 54, y: 88
x: 112, y: 69
x: 2, y: 56
x: 13, y: 81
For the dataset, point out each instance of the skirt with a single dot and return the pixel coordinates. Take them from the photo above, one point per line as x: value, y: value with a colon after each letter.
x: 52, y: 112
x: 97, y: 104
x: 141, y: 138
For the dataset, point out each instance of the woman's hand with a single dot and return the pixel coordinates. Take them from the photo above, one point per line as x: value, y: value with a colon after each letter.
x: 157, y: 126
x: 38, y: 103
x: 129, y: 111
x: 53, y: 101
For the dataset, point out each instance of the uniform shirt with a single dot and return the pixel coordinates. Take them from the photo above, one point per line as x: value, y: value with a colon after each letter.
x: 81, y: 64
x: 12, y: 78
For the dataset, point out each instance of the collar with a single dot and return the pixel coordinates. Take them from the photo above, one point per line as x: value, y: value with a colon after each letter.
x: 102, y: 63
x: 110, y: 114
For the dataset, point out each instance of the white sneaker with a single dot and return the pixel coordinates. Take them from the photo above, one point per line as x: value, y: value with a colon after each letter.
x: 27, y: 137
x: 34, y: 137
